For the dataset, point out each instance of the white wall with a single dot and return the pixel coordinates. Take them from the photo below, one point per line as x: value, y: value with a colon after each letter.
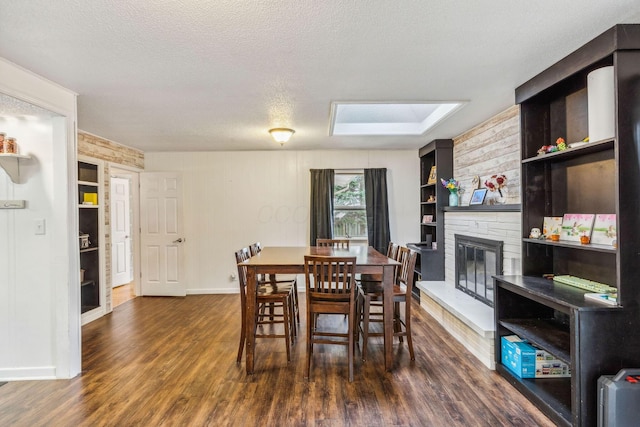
x: 39, y: 292
x: 232, y: 199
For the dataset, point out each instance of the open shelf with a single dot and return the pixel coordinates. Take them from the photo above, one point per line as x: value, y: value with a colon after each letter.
x: 543, y: 333
x: 552, y: 395
x: 574, y: 245
x: 571, y: 153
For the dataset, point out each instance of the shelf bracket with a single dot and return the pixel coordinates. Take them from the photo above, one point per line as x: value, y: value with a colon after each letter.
x: 11, y: 165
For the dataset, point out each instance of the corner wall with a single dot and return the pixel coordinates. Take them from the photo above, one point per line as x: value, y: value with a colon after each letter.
x: 113, y: 154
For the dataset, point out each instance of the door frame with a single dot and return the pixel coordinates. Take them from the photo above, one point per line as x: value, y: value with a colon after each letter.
x: 133, y: 174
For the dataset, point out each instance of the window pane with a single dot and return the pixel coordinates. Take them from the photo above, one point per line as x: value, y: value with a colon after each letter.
x: 349, y: 223
x: 349, y: 208
x: 348, y: 190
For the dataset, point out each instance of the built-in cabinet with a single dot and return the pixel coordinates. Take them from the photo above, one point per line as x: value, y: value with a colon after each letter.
x: 434, y: 197
x: 90, y: 221
x: 600, y: 177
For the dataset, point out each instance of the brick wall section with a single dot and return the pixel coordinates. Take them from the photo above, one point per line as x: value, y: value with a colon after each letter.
x: 111, y: 153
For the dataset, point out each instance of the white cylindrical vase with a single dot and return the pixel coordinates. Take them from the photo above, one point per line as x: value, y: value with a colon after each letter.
x: 601, y: 104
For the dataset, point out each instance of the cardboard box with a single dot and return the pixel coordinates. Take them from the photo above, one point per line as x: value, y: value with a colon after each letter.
x: 526, y: 361
x: 518, y: 356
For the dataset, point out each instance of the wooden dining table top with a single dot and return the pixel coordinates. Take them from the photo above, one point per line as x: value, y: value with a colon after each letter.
x: 293, y: 256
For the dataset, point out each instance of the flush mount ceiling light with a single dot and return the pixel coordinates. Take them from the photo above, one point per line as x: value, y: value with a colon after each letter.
x: 384, y: 118
x: 281, y: 135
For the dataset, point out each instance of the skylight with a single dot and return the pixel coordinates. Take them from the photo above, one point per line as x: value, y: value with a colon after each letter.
x: 388, y: 118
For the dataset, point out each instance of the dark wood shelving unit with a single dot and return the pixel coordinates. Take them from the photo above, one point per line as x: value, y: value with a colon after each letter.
x: 438, y: 153
x: 600, y: 177
x: 89, y: 223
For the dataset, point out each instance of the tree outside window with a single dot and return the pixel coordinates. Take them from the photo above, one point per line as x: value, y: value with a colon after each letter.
x: 349, y: 207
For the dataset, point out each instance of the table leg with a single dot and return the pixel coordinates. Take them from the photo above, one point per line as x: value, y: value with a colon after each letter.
x: 250, y: 318
x: 387, y: 280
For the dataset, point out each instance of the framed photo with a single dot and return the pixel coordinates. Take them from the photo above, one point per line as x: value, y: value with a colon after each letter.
x: 426, y: 219
x: 477, y: 198
x: 432, y: 176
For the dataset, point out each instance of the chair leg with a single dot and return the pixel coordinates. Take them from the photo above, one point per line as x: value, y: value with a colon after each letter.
x: 351, y: 348
x: 243, y: 337
x: 287, y: 332
x: 309, y: 340
x: 365, y: 325
x: 407, y: 327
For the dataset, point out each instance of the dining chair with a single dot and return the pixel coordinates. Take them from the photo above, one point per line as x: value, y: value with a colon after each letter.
x: 371, y: 295
x: 278, y: 295
x: 331, y: 289
x: 256, y: 248
x: 393, y: 249
x: 333, y: 243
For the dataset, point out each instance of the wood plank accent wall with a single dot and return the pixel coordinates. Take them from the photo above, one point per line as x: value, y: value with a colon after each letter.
x: 111, y: 153
x: 493, y: 147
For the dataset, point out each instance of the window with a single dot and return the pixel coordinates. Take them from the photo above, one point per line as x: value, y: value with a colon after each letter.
x: 349, y: 207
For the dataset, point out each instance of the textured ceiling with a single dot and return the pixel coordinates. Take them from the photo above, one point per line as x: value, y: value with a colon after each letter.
x: 164, y: 75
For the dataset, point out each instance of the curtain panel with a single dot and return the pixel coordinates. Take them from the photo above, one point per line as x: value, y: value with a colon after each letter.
x: 321, y: 206
x: 375, y: 189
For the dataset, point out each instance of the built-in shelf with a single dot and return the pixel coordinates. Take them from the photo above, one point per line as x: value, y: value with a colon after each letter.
x: 484, y: 208
x: 11, y: 164
x: 569, y: 153
x: 574, y: 245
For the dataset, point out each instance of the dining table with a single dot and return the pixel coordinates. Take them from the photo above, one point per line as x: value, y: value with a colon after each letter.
x: 290, y: 260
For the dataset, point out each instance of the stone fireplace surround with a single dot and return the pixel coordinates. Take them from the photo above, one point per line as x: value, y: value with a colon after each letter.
x: 470, y: 321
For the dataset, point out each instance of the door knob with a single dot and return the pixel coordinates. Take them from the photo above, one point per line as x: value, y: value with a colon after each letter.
x: 180, y: 240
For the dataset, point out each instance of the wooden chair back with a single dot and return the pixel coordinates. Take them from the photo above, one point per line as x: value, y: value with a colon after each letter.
x: 255, y: 248
x: 329, y: 277
x: 333, y: 243
x: 407, y: 258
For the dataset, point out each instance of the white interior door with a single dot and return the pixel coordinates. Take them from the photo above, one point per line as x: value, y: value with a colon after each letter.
x: 121, y: 271
x: 161, y: 234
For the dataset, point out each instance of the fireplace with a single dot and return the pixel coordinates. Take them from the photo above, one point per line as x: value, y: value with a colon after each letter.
x: 476, y: 260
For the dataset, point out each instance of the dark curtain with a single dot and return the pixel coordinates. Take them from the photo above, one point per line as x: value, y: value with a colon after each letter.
x: 321, y: 209
x: 375, y: 193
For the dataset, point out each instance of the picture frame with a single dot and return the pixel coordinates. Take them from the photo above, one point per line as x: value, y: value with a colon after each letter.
x: 477, y: 198
x: 426, y: 219
x: 432, y: 176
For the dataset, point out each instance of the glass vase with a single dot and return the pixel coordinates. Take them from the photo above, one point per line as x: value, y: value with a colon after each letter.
x: 453, y: 199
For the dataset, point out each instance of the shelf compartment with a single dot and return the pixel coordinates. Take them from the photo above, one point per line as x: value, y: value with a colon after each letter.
x: 575, y: 245
x: 570, y: 153
x: 546, y: 334
x: 552, y: 395
x: 557, y: 295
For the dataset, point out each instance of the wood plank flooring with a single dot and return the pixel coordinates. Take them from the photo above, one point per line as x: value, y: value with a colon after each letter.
x: 160, y: 361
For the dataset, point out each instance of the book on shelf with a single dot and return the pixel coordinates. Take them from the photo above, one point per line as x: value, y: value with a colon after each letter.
x: 576, y: 225
x: 604, y: 229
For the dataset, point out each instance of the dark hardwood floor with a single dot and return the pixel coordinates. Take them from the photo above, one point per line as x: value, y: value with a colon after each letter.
x: 160, y: 361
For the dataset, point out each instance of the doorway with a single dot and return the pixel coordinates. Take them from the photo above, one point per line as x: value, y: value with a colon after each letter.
x: 124, y: 226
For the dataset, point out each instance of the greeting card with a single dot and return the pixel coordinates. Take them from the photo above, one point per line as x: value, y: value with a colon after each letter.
x: 576, y: 225
x: 604, y: 229
x: 551, y: 225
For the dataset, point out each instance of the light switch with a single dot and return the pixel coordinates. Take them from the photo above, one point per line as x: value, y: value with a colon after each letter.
x: 40, y: 226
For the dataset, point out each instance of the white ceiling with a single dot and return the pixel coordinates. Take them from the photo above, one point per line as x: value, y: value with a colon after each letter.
x: 176, y: 75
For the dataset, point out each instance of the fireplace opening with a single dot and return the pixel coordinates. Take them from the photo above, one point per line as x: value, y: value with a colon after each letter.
x: 476, y: 260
